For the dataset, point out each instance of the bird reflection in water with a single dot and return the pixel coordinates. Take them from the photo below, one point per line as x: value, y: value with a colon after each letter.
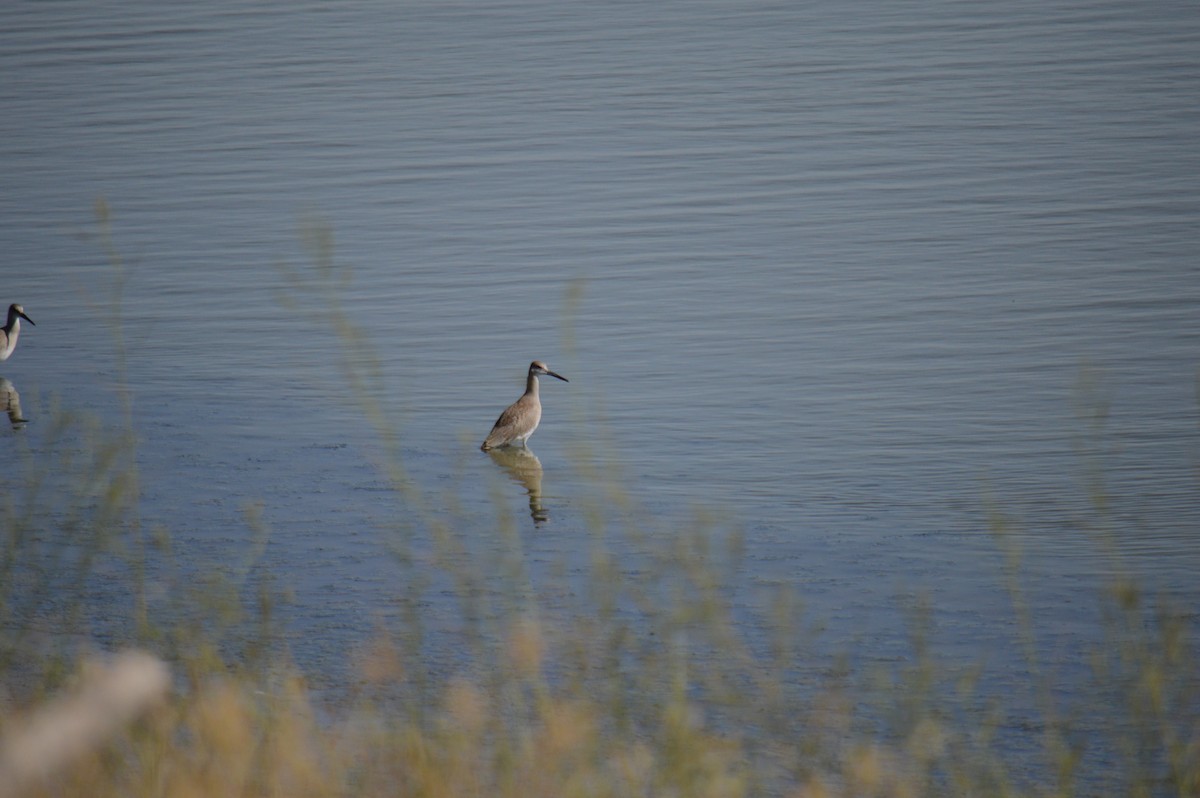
x: 526, y: 470
x: 10, y: 400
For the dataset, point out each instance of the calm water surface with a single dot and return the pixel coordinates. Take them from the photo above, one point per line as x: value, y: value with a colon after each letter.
x: 841, y: 272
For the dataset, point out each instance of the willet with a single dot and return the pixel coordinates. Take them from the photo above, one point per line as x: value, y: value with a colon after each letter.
x: 8, y: 336
x: 518, y: 422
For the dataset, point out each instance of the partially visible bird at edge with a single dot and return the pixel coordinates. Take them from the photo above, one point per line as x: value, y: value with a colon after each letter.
x: 12, y: 328
x: 518, y: 422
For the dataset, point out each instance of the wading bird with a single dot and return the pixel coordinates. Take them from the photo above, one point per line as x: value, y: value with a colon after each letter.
x: 8, y: 336
x: 518, y: 422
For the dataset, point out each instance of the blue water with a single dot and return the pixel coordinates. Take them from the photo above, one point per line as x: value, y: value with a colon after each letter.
x: 846, y: 277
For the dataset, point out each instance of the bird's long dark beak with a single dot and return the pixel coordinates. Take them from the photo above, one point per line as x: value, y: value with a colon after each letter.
x: 21, y: 313
x: 561, y: 377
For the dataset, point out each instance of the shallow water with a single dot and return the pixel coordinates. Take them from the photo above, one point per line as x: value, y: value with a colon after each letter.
x: 844, y: 277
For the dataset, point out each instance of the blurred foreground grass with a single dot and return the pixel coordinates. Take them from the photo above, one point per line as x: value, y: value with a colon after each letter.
x: 645, y: 686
